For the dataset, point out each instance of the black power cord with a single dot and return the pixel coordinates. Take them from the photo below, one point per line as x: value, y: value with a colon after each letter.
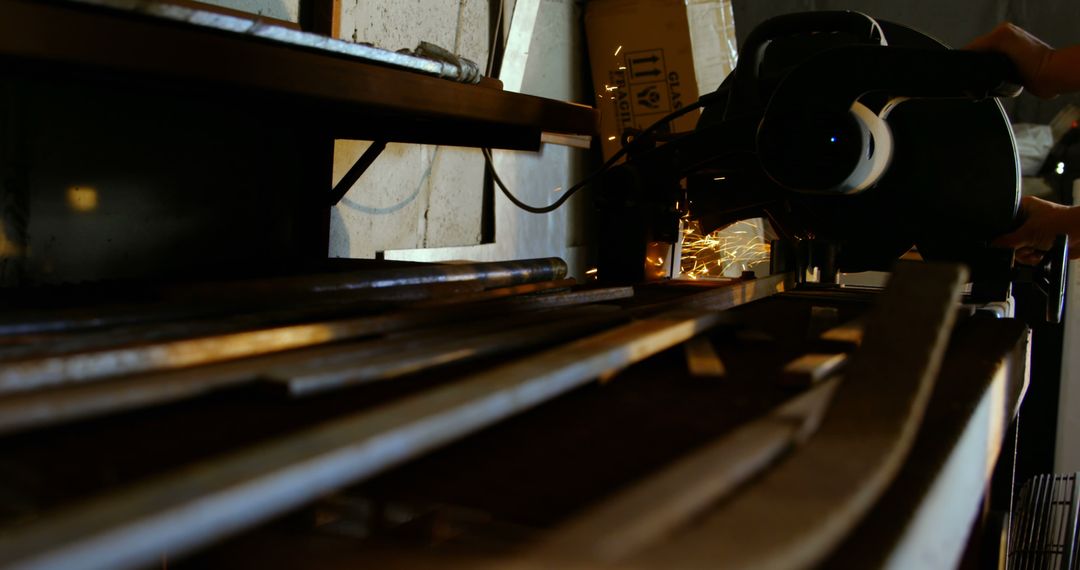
x: 607, y: 165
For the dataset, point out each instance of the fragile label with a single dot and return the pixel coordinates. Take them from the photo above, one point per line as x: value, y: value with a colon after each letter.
x: 645, y: 91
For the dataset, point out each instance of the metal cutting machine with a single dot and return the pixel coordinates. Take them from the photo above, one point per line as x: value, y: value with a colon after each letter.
x: 857, y: 139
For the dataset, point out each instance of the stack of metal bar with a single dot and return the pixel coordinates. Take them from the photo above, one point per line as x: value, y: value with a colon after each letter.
x: 133, y: 430
x: 470, y: 414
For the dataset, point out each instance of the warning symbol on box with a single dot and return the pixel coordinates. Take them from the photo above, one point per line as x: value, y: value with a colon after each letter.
x: 650, y: 98
x: 645, y: 66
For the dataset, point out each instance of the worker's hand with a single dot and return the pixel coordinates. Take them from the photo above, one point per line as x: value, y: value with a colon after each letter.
x: 1030, y: 55
x: 1042, y: 222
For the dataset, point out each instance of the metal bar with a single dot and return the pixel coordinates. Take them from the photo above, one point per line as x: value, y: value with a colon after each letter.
x: 498, y: 293
x: 1061, y: 497
x: 1062, y: 492
x: 575, y: 141
x: 1038, y: 558
x: 487, y: 275
x: 48, y: 322
x: 51, y: 371
x: 798, y: 513
x: 1071, y: 545
x: 1032, y: 541
x: 314, y: 377
x: 236, y: 315
x: 356, y: 171
x: 1052, y: 528
x: 1025, y: 540
x: 1017, y: 524
x: 652, y: 509
x: 702, y: 359
x: 259, y: 303
x: 39, y: 408
x: 1014, y: 518
x: 243, y: 317
x: 1046, y: 521
x: 55, y: 371
x: 812, y: 368
x: 1021, y: 536
x: 552, y: 300
x: 1036, y: 522
x: 206, y: 502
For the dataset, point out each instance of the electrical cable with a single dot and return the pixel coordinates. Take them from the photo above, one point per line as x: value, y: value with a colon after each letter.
x: 607, y: 165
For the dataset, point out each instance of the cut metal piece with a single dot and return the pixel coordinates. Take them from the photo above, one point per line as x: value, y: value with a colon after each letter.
x: 702, y: 359
x: 850, y: 332
x: 810, y: 369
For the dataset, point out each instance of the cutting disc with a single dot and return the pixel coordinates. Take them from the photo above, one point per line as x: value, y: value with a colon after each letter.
x: 953, y: 184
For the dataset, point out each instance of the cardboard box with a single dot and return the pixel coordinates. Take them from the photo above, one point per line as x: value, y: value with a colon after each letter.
x: 642, y: 65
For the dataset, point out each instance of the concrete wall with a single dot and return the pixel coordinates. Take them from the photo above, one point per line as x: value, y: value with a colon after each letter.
x: 414, y: 196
